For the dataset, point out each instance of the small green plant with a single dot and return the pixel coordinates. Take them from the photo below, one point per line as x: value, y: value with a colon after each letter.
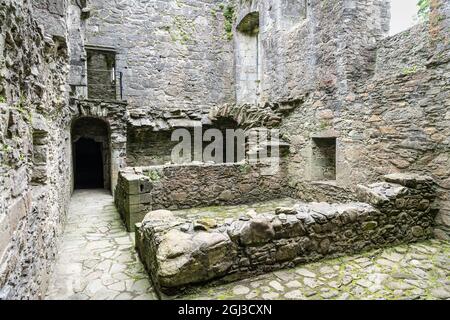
x: 409, y: 70
x: 182, y: 30
x: 2, y: 99
x: 229, y: 15
x: 21, y: 107
x: 424, y: 9
x: 324, y: 125
x: 7, y: 148
x: 245, y: 168
x: 153, y: 175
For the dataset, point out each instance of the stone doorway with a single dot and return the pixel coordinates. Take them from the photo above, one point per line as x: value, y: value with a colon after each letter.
x: 91, y: 154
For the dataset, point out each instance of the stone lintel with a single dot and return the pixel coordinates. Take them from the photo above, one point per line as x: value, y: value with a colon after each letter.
x: 325, y: 134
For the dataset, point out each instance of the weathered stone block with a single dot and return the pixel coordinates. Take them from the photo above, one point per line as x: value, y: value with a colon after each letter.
x: 257, y: 231
x: 183, y: 258
x: 19, y: 210
x: 136, y: 184
x: 409, y: 180
x: 20, y: 181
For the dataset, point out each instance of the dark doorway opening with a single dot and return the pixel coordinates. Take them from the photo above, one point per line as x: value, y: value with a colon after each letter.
x: 233, y: 141
x: 91, y: 154
x: 88, y: 164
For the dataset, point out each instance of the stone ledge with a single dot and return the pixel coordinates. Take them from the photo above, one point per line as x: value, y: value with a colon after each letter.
x: 100, y: 101
x: 411, y: 180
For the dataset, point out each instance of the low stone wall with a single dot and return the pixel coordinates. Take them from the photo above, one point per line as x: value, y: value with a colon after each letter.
x: 179, y: 253
x: 141, y: 190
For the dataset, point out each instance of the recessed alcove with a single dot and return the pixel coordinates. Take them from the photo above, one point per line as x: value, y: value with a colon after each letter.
x: 248, y: 56
x: 323, y: 160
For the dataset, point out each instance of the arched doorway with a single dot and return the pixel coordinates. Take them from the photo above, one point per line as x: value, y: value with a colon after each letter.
x: 91, y: 154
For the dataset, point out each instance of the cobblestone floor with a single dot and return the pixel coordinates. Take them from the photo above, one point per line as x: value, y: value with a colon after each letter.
x: 97, y: 261
x: 416, y: 271
x: 97, y: 258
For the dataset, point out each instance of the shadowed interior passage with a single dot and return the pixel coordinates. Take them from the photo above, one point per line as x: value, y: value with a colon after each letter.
x: 88, y: 164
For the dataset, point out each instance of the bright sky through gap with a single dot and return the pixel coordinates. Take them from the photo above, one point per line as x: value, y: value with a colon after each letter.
x: 403, y: 15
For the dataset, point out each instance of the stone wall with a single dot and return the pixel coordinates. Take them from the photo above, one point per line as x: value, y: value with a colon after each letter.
x: 147, y: 147
x: 303, y: 48
x: 439, y: 26
x: 323, y: 70
x: 175, y: 54
x: 141, y: 190
x: 399, y: 54
x: 34, y: 144
x: 51, y: 16
x: 390, y: 116
x: 77, y: 16
x: 178, y: 256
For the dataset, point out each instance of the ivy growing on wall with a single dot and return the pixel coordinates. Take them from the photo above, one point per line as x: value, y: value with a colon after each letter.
x: 424, y: 9
x: 229, y: 15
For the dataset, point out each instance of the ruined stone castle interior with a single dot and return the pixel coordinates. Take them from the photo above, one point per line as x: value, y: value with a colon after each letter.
x: 93, y: 207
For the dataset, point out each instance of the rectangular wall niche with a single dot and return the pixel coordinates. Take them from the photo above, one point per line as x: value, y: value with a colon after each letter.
x: 323, y: 166
x: 40, y: 157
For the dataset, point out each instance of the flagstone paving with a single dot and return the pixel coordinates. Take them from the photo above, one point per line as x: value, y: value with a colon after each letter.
x: 97, y: 260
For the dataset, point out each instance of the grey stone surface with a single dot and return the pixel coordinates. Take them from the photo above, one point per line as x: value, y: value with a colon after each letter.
x: 96, y: 258
x: 322, y: 71
x: 34, y: 148
x: 177, y: 258
x: 186, y: 60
